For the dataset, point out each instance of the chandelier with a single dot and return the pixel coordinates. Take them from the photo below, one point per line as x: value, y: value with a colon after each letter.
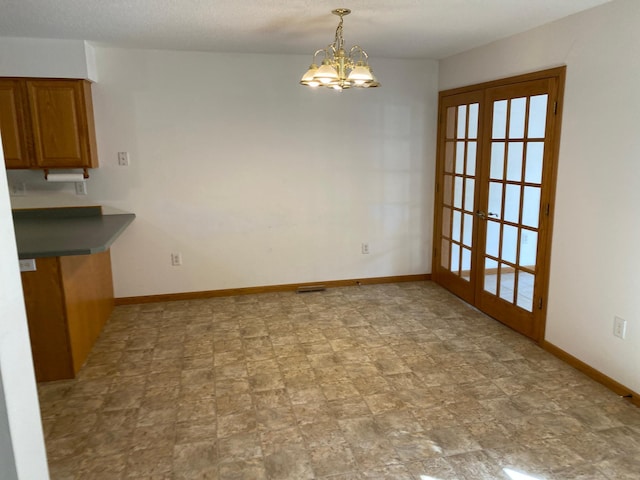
x: 340, y: 70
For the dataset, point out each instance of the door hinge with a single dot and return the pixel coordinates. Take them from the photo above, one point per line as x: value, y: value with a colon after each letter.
x: 555, y: 108
x: 547, y: 210
x: 540, y: 304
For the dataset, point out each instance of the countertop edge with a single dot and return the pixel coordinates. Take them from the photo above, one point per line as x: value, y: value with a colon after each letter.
x: 126, y: 218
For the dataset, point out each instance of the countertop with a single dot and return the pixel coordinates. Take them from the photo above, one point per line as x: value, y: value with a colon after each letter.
x: 58, y: 232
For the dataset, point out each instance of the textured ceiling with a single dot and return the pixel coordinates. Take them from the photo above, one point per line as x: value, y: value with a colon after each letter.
x: 402, y: 28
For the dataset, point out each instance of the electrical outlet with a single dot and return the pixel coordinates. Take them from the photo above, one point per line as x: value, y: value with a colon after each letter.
x: 28, y: 265
x: 176, y: 259
x: 365, y: 249
x: 81, y: 188
x: 123, y: 159
x: 619, y: 327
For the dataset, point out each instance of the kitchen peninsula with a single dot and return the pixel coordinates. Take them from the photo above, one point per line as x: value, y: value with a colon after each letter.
x: 67, y: 282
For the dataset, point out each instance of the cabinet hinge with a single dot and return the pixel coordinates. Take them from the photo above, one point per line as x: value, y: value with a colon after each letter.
x: 547, y: 210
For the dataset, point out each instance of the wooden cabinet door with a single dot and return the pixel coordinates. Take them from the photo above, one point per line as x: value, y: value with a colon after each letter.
x: 62, y: 122
x: 45, y: 305
x: 14, y: 124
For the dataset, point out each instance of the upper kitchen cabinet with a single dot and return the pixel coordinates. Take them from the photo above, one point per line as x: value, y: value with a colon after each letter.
x: 50, y: 121
x: 62, y: 123
x: 14, y: 127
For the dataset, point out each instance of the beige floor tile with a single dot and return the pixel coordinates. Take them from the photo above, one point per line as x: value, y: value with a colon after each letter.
x: 384, y: 381
x: 251, y: 469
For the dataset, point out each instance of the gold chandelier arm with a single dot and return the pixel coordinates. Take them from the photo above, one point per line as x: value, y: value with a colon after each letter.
x: 317, y: 52
x: 358, y: 49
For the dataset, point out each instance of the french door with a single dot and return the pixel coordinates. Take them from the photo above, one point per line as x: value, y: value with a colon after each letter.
x: 496, y: 168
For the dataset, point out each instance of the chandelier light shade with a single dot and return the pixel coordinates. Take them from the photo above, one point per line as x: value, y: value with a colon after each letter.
x: 339, y: 70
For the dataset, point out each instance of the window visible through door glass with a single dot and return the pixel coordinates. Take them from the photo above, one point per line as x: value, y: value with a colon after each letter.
x: 531, y: 206
x: 512, y: 203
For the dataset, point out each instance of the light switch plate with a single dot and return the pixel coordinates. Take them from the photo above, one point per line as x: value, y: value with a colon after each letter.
x: 619, y: 327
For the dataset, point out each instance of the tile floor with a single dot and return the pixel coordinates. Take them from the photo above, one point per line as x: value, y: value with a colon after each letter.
x: 396, y: 381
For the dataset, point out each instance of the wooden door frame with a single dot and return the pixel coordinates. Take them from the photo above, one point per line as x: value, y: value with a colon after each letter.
x: 559, y: 75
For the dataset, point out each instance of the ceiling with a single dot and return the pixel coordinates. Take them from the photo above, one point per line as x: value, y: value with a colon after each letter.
x: 400, y: 29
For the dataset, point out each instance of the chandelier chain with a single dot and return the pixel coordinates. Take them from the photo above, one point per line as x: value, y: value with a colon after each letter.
x: 338, y: 43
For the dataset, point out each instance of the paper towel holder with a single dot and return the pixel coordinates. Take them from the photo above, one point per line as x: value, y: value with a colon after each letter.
x: 85, y: 173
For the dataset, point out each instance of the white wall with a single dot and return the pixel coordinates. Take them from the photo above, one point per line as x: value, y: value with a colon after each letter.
x: 255, y: 179
x: 22, y: 452
x: 7, y: 459
x: 37, y: 57
x: 595, y: 254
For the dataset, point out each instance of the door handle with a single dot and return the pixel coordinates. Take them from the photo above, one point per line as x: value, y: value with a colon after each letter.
x: 483, y: 215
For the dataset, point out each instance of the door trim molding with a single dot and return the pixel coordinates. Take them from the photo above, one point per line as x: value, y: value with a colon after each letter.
x: 558, y: 71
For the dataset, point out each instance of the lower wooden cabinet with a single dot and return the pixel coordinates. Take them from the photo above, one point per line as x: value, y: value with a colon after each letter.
x: 68, y: 300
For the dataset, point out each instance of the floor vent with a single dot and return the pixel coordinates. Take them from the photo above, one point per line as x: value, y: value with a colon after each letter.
x: 311, y: 288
